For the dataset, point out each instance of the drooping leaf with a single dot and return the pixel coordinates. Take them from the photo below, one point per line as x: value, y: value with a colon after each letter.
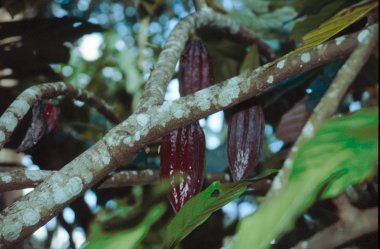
x: 337, y: 23
x: 331, y: 27
x: 199, y: 208
x: 128, y: 238
x: 343, y: 152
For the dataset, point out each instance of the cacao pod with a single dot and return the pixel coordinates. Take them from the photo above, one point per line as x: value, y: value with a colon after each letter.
x: 195, y: 68
x: 183, y: 154
x: 244, y: 139
x: 44, y: 121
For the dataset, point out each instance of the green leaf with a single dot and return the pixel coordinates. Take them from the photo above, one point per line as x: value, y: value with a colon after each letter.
x: 342, y: 153
x: 337, y: 23
x: 128, y: 238
x: 199, y: 208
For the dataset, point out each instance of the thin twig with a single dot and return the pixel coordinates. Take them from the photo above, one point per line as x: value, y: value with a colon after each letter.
x: 20, y: 107
x: 330, y: 101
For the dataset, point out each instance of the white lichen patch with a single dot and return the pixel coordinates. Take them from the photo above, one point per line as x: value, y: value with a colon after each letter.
x: 201, y: 99
x: 59, y: 195
x: 20, y: 106
x: 270, y: 79
x: 136, y: 137
x: 6, y: 178
x: 363, y: 35
x: 281, y: 64
x: 227, y: 178
x: 304, y: 244
x: 308, y: 130
x: 106, y: 158
x: 339, y: 40
x: 33, y: 175
x: 30, y: 217
x: 229, y: 92
x: 87, y: 176
x: 32, y: 92
x: 142, y: 119
x: 2, y: 136
x: 11, y: 230
x: 178, y: 113
x: 9, y: 121
x: 73, y: 187
x: 305, y: 57
x: 164, y: 107
x: 150, y: 172
x: 127, y: 140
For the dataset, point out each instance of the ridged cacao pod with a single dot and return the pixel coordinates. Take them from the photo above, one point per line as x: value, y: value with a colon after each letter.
x: 244, y: 139
x: 195, y: 68
x: 183, y: 154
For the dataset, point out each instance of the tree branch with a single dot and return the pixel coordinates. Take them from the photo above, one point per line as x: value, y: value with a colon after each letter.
x: 353, y: 223
x: 329, y: 103
x: 164, y: 69
x: 20, y: 107
x: 16, y: 178
x: 119, y: 145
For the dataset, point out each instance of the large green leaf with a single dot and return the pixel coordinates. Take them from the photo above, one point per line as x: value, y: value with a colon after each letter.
x: 130, y: 238
x: 343, y: 152
x: 199, y: 208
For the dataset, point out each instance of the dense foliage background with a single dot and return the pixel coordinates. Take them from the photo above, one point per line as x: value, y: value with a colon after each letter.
x: 110, y: 47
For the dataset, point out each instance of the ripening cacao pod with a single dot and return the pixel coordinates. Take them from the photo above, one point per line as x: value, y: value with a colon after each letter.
x: 51, y: 117
x: 183, y: 154
x: 183, y: 150
x: 195, y: 68
x: 244, y: 139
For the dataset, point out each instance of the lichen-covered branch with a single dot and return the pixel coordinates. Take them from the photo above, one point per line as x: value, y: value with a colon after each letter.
x: 165, y: 67
x: 120, y: 144
x: 20, y: 107
x: 329, y: 103
x: 14, y: 179
x: 353, y: 223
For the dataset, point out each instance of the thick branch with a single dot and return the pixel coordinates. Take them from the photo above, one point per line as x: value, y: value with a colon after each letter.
x: 119, y: 145
x: 165, y: 67
x: 20, y: 107
x: 330, y: 101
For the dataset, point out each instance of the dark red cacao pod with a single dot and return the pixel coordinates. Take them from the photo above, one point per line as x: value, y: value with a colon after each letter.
x: 195, y: 68
x: 183, y: 154
x: 51, y: 117
x: 244, y: 139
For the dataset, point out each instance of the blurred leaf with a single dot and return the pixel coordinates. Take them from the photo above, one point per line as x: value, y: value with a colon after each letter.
x: 337, y: 23
x: 313, y: 21
x: 342, y: 153
x: 251, y: 60
x: 199, y: 208
x: 257, y: 17
x: 129, y: 238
